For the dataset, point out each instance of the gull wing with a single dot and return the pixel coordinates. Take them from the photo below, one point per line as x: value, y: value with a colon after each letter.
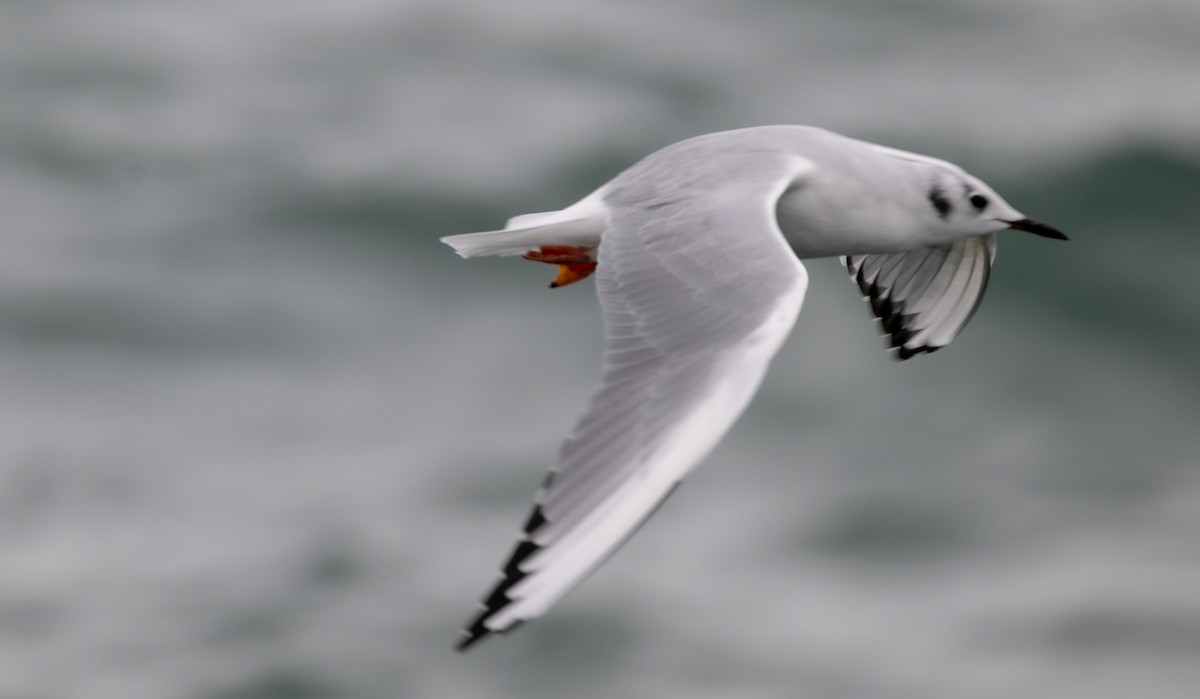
x: 924, y: 297
x: 698, y: 289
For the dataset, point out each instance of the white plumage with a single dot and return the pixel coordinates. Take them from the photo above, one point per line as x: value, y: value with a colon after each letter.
x: 699, y: 283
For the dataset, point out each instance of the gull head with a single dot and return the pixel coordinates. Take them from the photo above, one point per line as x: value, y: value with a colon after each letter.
x: 963, y: 206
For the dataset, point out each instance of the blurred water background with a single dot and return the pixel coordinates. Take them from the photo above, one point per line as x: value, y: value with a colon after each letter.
x: 263, y: 437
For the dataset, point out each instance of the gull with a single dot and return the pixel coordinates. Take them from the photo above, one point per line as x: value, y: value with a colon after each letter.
x: 696, y: 253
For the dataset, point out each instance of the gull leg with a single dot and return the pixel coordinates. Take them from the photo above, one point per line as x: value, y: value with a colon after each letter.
x: 574, y: 263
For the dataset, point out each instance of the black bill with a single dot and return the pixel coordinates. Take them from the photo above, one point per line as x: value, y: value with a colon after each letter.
x: 1031, y: 226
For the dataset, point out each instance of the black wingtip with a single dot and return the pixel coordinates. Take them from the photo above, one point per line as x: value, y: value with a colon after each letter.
x: 477, y: 632
x: 473, y: 634
x: 909, y: 353
x: 510, y: 575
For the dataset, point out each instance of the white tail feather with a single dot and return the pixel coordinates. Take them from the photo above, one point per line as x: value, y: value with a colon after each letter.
x: 531, y: 220
x: 582, y: 231
x: 516, y: 242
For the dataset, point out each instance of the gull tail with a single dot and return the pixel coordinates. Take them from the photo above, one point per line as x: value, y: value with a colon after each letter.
x: 576, y: 226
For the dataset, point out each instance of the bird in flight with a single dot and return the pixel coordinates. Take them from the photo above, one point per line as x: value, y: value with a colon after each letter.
x: 696, y: 254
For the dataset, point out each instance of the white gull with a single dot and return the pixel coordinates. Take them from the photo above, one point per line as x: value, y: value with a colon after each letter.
x: 696, y: 254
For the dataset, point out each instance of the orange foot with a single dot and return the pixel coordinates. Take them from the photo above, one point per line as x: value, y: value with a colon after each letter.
x: 574, y: 263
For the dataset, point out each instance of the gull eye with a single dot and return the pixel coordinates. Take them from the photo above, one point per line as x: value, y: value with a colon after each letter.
x: 979, y: 201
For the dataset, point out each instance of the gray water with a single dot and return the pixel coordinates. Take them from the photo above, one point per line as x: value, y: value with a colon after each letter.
x: 264, y: 437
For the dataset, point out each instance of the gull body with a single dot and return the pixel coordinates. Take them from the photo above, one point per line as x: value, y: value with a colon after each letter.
x: 696, y: 253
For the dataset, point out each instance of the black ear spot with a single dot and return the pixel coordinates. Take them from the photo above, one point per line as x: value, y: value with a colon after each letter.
x: 979, y: 201
x: 937, y: 197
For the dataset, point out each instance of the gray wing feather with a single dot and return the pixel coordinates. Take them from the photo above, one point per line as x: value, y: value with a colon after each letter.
x: 697, y: 288
x: 924, y: 297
